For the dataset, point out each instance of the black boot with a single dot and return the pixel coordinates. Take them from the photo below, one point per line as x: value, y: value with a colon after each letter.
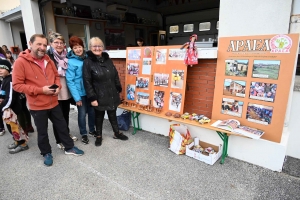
x: 98, y: 141
x: 120, y: 136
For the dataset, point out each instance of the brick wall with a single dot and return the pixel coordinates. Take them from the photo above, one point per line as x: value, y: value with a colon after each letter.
x: 200, y: 85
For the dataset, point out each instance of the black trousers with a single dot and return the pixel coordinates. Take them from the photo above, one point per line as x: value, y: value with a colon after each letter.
x: 26, y: 113
x: 112, y: 116
x: 41, y: 121
x: 65, y: 108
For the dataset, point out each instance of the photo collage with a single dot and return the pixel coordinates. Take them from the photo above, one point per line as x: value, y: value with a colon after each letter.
x: 148, y: 84
x: 236, y: 87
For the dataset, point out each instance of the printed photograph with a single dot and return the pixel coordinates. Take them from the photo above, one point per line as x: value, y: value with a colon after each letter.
x: 259, y: 114
x: 175, y: 101
x: 142, y: 82
x: 158, y: 99
x: 130, y: 91
x: 134, y: 54
x: 142, y: 98
x: 161, y: 79
x: 133, y: 69
x: 176, y: 54
x: 177, y: 78
x: 146, y: 66
x: 263, y: 91
x: 236, y: 67
x: 266, y: 69
x: 232, y: 107
x: 234, y: 88
x: 161, y: 56
x: 147, y: 52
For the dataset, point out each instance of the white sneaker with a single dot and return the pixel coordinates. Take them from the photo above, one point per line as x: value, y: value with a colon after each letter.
x: 74, y: 138
x: 60, y: 146
x: 2, y: 132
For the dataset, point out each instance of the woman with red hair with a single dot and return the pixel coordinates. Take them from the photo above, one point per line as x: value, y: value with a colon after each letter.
x: 75, y: 84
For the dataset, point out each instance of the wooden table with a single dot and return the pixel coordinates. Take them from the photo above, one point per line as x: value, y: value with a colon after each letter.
x: 223, y: 134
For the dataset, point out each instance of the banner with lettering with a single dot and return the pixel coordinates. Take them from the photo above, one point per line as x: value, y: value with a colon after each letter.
x: 253, y: 82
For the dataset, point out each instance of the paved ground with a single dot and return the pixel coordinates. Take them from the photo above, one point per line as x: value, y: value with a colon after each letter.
x: 140, y: 168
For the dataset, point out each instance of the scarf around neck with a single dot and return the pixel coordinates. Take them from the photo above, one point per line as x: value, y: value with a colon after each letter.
x: 62, y: 61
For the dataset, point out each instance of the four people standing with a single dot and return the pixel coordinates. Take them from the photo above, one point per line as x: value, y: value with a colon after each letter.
x: 91, y: 78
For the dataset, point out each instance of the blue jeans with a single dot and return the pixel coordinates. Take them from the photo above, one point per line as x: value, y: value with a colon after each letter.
x: 86, y: 108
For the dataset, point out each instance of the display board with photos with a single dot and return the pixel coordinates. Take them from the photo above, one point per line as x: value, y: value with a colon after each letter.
x: 156, y: 77
x: 253, y: 81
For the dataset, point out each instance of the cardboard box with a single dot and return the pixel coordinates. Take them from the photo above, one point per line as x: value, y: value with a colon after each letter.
x: 205, y: 157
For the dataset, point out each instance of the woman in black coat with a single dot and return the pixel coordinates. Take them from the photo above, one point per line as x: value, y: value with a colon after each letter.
x: 102, y: 85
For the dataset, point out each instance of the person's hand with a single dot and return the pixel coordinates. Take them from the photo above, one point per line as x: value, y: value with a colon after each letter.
x: 79, y: 103
x: 57, y: 90
x: 94, y: 103
x: 48, y: 91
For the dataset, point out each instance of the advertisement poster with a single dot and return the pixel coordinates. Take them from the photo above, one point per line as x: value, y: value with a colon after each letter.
x: 158, y: 99
x: 177, y: 54
x: 232, y: 107
x: 130, y: 91
x: 114, y: 39
x: 147, y: 66
x: 161, y: 79
x: 254, y: 74
x: 175, y: 101
x: 266, y: 69
x: 177, y: 78
x: 259, y: 114
x: 236, y: 67
x: 142, y: 83
x: 133, y: 69
x: 234, y: 88
x: 134, y: 54
x: 263, y: 91
x: 161, y: 56
x: 142, y: 98
x: 147, y: 52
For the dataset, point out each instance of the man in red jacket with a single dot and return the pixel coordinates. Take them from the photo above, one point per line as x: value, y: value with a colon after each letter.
x: 35, y: 75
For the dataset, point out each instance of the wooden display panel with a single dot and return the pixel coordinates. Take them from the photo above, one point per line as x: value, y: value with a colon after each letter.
x: 253, y: 81
x: 165, y: 70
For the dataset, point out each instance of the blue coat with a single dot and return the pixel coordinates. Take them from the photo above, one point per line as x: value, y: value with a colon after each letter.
x: 74, y: 76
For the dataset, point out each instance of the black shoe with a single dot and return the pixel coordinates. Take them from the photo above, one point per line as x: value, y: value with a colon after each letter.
x: 120, y: 136
x: 93, y: 134
x: 98, y: 141
x: 84, y: 139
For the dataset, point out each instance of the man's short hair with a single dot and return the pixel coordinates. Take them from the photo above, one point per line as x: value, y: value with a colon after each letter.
x: 32, y: 38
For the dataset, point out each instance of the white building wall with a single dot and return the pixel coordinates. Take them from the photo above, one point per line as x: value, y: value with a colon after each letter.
x: 31, y: 18
x: 293, y: 149
x: 255, y: 17
x: 8, y: 5
x: 5, y: 34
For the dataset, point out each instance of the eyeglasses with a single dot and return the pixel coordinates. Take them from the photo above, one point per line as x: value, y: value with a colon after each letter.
x: 59, y: 43
x: 97, y: 46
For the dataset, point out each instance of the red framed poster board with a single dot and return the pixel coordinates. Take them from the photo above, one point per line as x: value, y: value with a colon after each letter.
x: 253, y: 81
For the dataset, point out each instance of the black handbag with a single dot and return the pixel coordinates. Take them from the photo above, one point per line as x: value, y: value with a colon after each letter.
x: 124, y: 120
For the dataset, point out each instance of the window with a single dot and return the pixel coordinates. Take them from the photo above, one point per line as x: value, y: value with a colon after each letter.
x: 174, y: 29
x: 204, y: 26
x: 188, y: 28
x: 217, y: 26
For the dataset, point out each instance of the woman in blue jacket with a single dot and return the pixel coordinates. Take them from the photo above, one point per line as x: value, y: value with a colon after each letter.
x: 75, y: 84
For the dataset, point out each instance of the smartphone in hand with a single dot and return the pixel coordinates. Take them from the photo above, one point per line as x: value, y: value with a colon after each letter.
x: 54, y: 86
